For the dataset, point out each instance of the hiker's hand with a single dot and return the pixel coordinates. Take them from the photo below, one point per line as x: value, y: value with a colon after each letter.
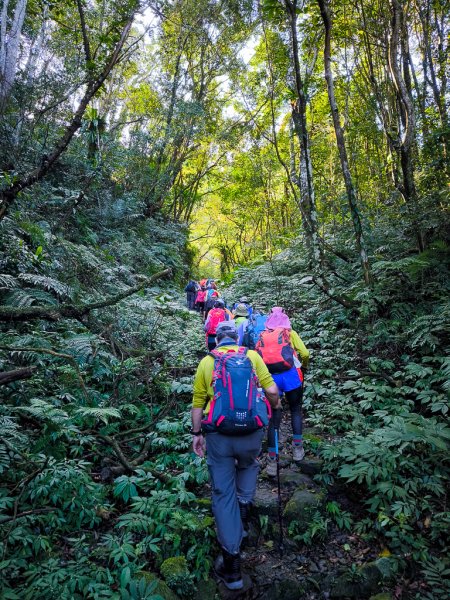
x: 278, y: 406
x: 199, y: 445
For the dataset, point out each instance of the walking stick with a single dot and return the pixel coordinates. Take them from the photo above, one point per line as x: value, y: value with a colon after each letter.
x: 280, y: 516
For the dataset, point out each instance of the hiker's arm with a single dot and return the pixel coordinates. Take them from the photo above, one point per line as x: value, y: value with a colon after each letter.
x: 199, y: 400
x: 266, y: 380
x: 273, y: 396
x: 198, y: 441
x: 300, y: 348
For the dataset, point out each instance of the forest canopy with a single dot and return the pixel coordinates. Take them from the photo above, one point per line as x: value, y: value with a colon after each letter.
x: 298, y: 152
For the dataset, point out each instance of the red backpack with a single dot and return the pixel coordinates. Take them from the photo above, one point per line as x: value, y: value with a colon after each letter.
x: 216, y: 316
x: 275, y: 348
x: 201, y: 296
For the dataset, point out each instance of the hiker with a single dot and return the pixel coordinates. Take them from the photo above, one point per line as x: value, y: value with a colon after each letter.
x: 231, y: 459
x: 191, y: 293
x: 200, y: 300
x: 216, y: 315
x: 280, y: 347
x: 211, y: 296
x: 253, y: 328
x: 244, y: 300
x: 240, y: 313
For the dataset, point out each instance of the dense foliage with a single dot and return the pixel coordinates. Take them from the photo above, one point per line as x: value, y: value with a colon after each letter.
x: 297, y: 149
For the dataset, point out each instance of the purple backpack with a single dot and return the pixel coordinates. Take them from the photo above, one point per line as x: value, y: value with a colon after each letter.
x: 238, y: 406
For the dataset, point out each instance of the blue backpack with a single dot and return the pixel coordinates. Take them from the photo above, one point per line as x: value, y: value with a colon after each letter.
x: 238, y: 406
x: 256, y: 324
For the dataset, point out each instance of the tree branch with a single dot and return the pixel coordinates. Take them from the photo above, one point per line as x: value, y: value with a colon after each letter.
x: 23, y: 373
x: 322, y: 284
x: 72, y: 311
x: 67, y: 357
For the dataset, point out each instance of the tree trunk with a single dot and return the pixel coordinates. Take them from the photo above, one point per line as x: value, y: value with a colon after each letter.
x: 305, y: 180
x: 340, y: 140
x: 407, y: 138
x: 9, y: 48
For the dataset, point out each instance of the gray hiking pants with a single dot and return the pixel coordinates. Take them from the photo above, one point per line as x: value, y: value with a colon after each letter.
x: 233, y: 471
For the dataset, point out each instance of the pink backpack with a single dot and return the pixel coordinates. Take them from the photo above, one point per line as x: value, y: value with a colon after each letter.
x: 216, y: 316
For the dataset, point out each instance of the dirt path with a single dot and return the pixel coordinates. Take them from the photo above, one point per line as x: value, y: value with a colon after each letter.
x: 319, y: 569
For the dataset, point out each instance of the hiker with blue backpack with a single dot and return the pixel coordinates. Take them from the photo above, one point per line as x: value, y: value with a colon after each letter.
x: 246, y: 302
x: 240, y: 316
x: 229, y: 413
x: 281, y: 348
x: 250, y: 331
x: 211, y: 296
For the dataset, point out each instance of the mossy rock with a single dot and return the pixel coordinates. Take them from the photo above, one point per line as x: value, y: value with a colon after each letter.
x: 382, y: 596
x: 204, y: 502
x: 206, y: 590
x: 265, y: 503
x: 287, y: 589
x: 314, y: 439
x: 161, y: 587
x: 302, y: 507
x: 175, y: 567
x: 363, y: 584
x: 206, y: 522
x: 311, y: 465
x: 295, y: 479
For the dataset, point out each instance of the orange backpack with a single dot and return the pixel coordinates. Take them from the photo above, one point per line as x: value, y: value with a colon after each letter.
x: 274, y: 346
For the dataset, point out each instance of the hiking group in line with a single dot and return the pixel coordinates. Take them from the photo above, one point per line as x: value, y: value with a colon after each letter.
x: 253, y: 360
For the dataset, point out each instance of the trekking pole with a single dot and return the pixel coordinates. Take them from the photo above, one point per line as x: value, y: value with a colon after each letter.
x: 280, y: 516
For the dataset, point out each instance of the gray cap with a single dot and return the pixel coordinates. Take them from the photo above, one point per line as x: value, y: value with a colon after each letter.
x: 227, y: 328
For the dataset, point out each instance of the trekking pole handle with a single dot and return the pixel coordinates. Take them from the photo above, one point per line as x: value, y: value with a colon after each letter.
x: 276, y: 440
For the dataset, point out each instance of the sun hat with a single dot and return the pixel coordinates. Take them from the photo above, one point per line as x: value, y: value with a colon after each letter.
x: 278, y: 318
x: 241, y: 311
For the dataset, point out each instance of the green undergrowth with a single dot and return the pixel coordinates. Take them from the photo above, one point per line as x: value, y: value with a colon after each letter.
x: 378, y: 387
x: 99, y: 485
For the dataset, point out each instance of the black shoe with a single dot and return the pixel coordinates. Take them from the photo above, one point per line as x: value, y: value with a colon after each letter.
x: 244, y: 509
x: 228, y: 569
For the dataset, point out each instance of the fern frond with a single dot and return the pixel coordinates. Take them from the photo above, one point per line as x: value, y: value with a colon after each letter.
x: 18, y: 298
x: 40, y: 409
x: 81, y: 347
x: 47, y: 283
x: 23, y: 298
x: 8, y: 281
x: 101, y: 414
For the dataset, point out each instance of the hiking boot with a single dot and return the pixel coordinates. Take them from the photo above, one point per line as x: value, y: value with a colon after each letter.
x: 228, y: 569
x: 298, y: 453
x: 244, y: 509
x: 271, y: 468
